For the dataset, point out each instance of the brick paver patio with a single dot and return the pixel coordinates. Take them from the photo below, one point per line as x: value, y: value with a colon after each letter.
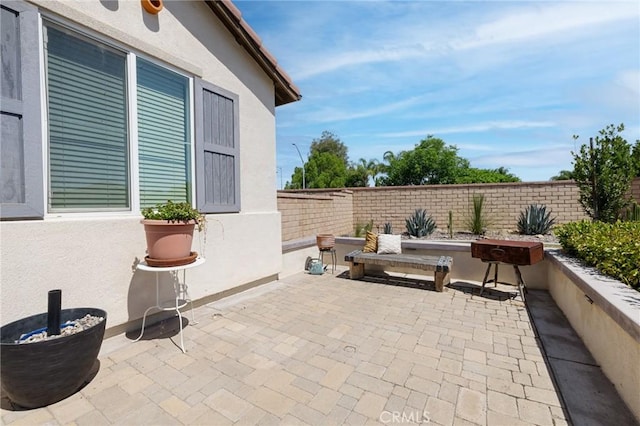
x: 325, y: 350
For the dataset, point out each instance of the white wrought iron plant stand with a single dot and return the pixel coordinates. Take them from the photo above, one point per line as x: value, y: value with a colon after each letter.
x: 181, y: 292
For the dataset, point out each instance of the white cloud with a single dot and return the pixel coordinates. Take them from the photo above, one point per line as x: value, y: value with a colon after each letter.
x: 630, y: 80
x: 547, y: 20
x: 558, y: 156
x: 475, y: 128
x: 333, y: 61
x: 407, y: 39
x: 330, y: 114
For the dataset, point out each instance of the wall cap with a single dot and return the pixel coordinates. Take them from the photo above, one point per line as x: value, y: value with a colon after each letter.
x: 298, y: 244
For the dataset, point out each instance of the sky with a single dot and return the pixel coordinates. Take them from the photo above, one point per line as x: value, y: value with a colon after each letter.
x: 507, y: 82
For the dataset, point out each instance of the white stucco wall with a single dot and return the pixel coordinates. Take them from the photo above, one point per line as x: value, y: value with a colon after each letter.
x: 93, y: 262
x: 92, y: 258
x: 614, y: 348
x: 293, y: 262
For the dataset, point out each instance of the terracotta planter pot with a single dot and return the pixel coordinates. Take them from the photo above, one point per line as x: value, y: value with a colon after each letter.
x: 168, y: 240
x: 325, y: 241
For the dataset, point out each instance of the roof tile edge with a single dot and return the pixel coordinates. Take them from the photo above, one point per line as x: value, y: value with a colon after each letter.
x: 231, y: 17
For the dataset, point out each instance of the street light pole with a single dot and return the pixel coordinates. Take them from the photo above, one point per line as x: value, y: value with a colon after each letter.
x: 303, y: 180
x: 279, y: 169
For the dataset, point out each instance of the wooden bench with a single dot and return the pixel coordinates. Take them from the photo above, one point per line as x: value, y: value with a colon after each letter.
x: 441, y: 265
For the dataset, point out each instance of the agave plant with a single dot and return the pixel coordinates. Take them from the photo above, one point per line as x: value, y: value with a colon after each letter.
x: 420, y: 224
x: 535, y: 220
x: 387, y: 228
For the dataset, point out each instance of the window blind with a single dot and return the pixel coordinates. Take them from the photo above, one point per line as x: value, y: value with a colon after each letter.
x: 164, y: 147
x: 88, y: 140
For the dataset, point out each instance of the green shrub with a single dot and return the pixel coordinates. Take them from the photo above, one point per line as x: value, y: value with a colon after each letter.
x: 173, y: 212
x: 535, y: 220
x: 477, y: 221
x: 420, y: 224
x: 612, y: 248
x: 388, y: 228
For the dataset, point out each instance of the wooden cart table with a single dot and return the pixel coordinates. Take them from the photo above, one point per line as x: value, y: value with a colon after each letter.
x: 514, y: 253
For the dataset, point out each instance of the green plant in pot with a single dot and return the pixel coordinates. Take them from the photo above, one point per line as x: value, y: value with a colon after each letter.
x: 169, y: 231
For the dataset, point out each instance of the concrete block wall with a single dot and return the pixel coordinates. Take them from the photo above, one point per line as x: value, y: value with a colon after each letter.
x: 502, y: 203
x: 635, y: 189
x: 308, y: 214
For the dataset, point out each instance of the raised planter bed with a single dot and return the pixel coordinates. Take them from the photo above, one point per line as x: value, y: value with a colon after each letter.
x: 606, y: 315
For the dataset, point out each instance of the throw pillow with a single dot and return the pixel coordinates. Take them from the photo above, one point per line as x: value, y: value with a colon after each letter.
x: 389, y: 244
x: 370, y: 243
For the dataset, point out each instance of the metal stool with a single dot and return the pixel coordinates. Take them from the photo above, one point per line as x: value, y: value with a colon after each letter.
x: 522, y: 287
x: 334, y: 257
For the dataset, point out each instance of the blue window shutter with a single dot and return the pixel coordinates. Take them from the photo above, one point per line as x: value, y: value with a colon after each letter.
x: 217, y: 149
x: 21, y: 150
x: 164, y: 142
x: 88, y: 136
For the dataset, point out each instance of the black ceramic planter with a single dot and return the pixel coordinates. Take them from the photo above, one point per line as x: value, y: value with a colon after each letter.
x: 41, y: 373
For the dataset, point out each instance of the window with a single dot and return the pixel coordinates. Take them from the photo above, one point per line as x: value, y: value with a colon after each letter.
x: 112, y: 117
x: 164, y: 142
x: 88, y: 129
x: 89, y: 167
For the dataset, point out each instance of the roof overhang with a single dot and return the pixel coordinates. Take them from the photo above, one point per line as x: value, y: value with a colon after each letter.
x: 285, y: 90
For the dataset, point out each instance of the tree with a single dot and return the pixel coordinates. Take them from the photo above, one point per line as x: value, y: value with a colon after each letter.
x: 330, y: 143
x: 326, y: 170
x: 357, y: 176
x: 635, y: 154
x: 388, y: 157
x: 430, y: 162
x: 563, y: 175
x: 365, y: 169
x: 326, y: 166
x: 603, y: 171
x: 473, y: 175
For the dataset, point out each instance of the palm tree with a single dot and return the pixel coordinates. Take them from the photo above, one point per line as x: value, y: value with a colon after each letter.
x: 371, y: 167
x: 389, y: 156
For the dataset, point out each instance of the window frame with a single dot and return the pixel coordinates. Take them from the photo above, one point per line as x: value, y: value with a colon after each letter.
x: 131, y: 56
